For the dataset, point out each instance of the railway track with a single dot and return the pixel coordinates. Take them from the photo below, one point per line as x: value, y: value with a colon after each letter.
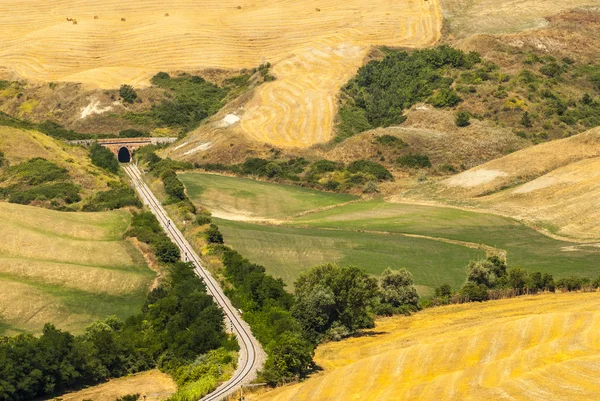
x: 251, y: 354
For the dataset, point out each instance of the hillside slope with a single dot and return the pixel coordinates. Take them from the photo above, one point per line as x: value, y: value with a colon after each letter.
x: 535, y: 348
x: 555, y: 184
x: 21, y: 145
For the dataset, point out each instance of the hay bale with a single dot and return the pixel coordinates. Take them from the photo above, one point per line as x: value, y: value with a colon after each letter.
x: 239, y: 7
x: 95, y: 17
x: 317, y: 9
x: 69, y: 19
x: 123, y: 19
x: 166, y: 14
x: 74, y: 22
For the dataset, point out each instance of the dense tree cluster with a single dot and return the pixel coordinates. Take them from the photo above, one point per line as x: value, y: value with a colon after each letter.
x: 383, y: 89
x: 179, y: 321
x: 117, y: 196
x: 103, y: 158
x: 39, y: 179
x: 147, y: 229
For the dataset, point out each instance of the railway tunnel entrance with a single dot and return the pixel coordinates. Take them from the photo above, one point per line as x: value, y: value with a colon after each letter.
x: 124, y: 156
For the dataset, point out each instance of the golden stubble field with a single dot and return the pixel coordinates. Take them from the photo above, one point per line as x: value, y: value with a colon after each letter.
x: 544, y: 347
x: 315, y: 46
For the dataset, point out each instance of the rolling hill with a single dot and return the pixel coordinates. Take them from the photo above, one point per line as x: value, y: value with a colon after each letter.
x: 69, y: 269
x: 554, y: 185
x: 534, y: 348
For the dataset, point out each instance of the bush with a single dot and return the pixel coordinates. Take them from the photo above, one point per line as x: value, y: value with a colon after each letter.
x: 173, y: 186
x: 166, y: 251
x: 390, y: 141
x: 36, y: 171
x: 414, y: 161
x: 445, y: 98
x: 462, y: 119
x: 103, y: 158
x: 472, y: 292
x: 127, y: 93
x: 370, y: 167
x: 1, y: 158
x: 118, y: 196
x: 66, y: 191
x: 202, y: 219
x: 213, y: 236
x: 551, y: 70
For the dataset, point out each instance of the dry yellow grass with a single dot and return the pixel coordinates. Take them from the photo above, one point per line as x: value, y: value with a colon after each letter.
x: 315, y: 46
x: 531, y: 348
x: 66, y: 268
x: 151, y: 385
x: 554, y: 185
x: 20, y: 145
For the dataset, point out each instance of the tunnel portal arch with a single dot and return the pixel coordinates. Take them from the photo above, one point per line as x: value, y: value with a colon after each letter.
x: 124, y: 155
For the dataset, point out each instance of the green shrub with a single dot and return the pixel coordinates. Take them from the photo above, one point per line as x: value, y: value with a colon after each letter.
x: 445, y: 98
x: 166, y: 251
x: 462, y: 119
x: 213, y: 236
x: 118, y: 196
x: 370, y: 167
x: 414, y: 161
x: 103, y: 158
x: 36, y: 171
x: 1, y: 158
x: 325, y: 166
x: 202, y: 219
x: 173, y: 186
x: 551, y: 70
x: 127, y: 93
x: 65, y: 191
x: 472, y: 292
x: 390, y: 141
x: 129, y: 397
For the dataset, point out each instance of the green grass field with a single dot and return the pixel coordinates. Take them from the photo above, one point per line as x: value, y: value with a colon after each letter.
x: 251, y: 198
x: 69, y: 269
x: 525, y: 247
x: 370, y: 234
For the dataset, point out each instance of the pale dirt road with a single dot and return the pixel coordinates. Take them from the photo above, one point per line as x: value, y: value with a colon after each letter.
x: 252, y: 356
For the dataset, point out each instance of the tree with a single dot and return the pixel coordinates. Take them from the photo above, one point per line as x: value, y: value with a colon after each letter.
x: 462, y: 119
x: 212, y: 235
x: 397, y: 288
x: 487, y: 272
x: 103, y: 158
x: 127, y: 93
x: 353, y: 292
x: 445, y: 98
x: 518, y: 279
x: 290, y: 357
x: 472, y: 292
x: 443, y: 291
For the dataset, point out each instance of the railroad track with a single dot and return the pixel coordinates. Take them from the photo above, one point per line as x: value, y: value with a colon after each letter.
x: 251, y: 354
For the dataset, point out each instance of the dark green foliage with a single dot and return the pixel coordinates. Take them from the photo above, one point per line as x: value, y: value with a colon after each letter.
x: 390, y: 141
x: 213, y: 236
x: 551, y: 70
x: 266, y: 307
x: 462, y: 119
x: 380, y: 92
x: 414, y: 161
x: 443, y: 291
x: 103, y: 158
x: 179, y: 322
x: 1, y: 158
x: 119, y: 195
x: 128, y: 397
x: 173, y: 187
x: 147, y: 229
x: 329, y: 296
x: 133, y: 133
x: 192, y: 99
x: 66, y: 191
x: 36, y: 171
x: 572, y: 283
x: 325, y: 166
x: 127, y: 93
x: 445, y: 97
x: 370, y: 167
x: 397, y: 292
x: 472, y: 292
x: 526, y: 120
x: 202, y: 219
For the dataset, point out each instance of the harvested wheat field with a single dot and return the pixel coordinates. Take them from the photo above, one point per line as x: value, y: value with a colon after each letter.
x: 152, y: 385
x: 70, y: 269
x: 544, y: 347
x: 315, y: 46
